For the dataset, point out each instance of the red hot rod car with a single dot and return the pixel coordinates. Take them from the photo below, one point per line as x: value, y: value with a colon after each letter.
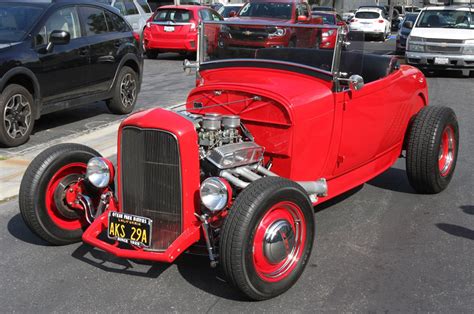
x: 262, y: 140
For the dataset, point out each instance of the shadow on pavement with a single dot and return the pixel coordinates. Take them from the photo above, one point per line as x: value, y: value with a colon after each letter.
x: 338, y: 199
x: 110, y: 263
x: 18, y: 229
x: 456, y: 231
x: 459, y: 231
x: 194, y: 269
x: 394, y: 180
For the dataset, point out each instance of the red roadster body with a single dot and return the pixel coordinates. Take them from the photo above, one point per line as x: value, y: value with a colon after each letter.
x: 261, y: 141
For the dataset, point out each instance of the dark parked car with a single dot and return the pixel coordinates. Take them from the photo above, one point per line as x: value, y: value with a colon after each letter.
x: 59, y: 54
x: 404, y: 31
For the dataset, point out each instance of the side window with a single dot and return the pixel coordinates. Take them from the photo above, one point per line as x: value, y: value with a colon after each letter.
x: 215, y: 16
x: 204, y: 14
x: 126, y: 7
x: 144, y: 5
x: 65, y: 19
x: 94, y: 21
x: 116, y: 23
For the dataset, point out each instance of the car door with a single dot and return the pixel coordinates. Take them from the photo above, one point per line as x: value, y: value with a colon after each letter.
x: 145, y: 12
x: 62, y: 70
x: 371, y: 123
x: 103, y: 47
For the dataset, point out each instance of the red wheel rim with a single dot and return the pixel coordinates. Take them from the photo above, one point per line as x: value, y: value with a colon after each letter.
x: 279, y: 241
x: 446, y: 151
x: 53, y: 212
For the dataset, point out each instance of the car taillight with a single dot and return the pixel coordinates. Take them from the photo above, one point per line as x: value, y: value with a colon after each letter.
x: 193, y: 27
x: 137, y: 36
x: 353, y: 20
x: 381, y: 21
x: 148, y: 24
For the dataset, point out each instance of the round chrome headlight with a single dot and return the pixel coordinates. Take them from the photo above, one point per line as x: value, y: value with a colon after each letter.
x: 99, y: 172
x: 215, y: 193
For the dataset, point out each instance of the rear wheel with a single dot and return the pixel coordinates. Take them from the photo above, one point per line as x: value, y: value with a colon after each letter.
x: 267, y: 238
x: 46, y: 191
x: 432, y: 149
x: 125, y: 92
x: 16, y: 112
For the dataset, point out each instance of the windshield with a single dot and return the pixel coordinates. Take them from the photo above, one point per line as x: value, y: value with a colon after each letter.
x: 328, y: 19
x: 225, y: 10
x: 173, y: 15
x: 367, y: 15
x: 16, y: 20
x: 267, y: 10
x: 446, y: 19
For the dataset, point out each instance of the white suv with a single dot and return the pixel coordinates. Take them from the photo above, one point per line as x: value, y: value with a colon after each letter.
x: 371, y: 21
x: 136, y: 12
x: 443, y: 38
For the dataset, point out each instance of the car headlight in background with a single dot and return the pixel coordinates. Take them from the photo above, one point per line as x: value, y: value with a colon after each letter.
x: 100, y: 172
x: 469, y: 49
x: 278, y: 32
x: 416, y: 48
x: 215, y: 193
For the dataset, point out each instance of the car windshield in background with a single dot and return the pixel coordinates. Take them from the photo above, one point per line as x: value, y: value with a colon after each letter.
x: 16, y: 20
x: 446, y: 19
x: 367, y: 15
x: 144, y: 5
x: 327, y: 18
x: 225, y: 10
x: 275, y: 10
x: 173, y: 15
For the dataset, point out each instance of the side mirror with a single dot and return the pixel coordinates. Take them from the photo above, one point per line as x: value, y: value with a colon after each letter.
x: 408, y: 24
x: 232, y: 14
x: 356, y: 82
x: 58, y: 38
x: 303, y: 18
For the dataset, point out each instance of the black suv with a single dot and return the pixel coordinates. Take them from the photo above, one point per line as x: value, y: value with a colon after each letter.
x: 59, y: 54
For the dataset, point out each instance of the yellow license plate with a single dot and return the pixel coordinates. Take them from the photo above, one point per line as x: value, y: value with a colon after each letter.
x: 130, y: 229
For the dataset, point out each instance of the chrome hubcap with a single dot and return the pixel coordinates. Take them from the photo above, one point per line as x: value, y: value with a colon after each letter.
x: 279, y: 241
x: 128, y: 90
x: 17, y: 116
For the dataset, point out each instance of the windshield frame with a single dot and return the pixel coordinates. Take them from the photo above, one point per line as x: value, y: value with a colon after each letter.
x: 43, y: 7
x: 333, y: 75
x: 469, y: 14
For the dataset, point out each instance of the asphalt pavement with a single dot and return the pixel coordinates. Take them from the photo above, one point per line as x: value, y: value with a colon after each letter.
x: 380, y: 247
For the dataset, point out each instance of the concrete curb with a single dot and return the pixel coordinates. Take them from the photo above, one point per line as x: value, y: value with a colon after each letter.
x: 103, y: 139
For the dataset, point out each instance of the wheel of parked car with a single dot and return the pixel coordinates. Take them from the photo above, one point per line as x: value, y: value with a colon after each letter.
x: 267, y: 238
x: 151, y: 54
x: 125, y: 93
x: 16, y: 108
x: 49, y: 182
x: 432, y: 149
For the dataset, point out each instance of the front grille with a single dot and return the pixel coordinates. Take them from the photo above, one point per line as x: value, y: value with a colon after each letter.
x: 251, y: 34
x: 151, y: 181
x: 440, y: 49
x: 447, y: 41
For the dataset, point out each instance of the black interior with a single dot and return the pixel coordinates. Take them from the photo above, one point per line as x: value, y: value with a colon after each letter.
x: 371, y: 67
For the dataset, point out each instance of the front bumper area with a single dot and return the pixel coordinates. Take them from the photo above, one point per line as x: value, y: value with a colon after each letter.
x: 181, y: 244
x: 427, y: 60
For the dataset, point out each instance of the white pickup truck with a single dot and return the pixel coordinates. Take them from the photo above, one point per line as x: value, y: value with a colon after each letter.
x: 443, y: 38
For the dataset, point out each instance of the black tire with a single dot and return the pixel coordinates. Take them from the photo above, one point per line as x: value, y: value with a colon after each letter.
x: 151, y: 54
x: 125, y: 92
x: 242, y: 226
x: 430, y: 165
x: 17, y: 121
x: 33, y: 197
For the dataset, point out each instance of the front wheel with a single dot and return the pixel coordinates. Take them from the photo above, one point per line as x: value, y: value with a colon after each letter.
x: 46, y: 193
x: 432, y: 149
x: 267, y: 238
